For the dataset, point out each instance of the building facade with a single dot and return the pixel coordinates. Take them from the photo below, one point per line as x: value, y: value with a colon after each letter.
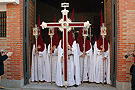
x: 17, y: 19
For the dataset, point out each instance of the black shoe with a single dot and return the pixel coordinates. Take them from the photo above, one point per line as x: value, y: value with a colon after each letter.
x: 81, y: 81
x: 75, y: 85
x: 105, y: 83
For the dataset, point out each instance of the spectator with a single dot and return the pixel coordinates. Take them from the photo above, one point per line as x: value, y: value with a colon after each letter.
x: 3, y: 57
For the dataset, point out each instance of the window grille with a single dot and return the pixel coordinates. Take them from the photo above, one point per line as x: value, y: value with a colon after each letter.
x: 2, y: 24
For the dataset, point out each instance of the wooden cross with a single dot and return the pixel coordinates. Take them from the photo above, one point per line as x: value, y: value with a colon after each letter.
x: 65, y: 24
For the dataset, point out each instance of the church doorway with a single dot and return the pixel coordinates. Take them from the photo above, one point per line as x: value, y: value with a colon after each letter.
x: 89, y: 9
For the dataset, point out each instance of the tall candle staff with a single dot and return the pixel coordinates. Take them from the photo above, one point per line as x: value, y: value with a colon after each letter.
x: 103, y: 33
x: 36, y: 34
x: 84, y: 34
x: 51, y: 33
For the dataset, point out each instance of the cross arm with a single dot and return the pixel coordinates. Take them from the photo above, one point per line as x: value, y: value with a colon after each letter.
x: 80, y: 24
x: 47, y: 25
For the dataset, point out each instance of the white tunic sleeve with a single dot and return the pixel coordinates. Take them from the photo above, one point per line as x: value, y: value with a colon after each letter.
x: 47, y: 65
x: 55, y: 51
x: 96, y: 52
x: 78, y: 50
x: 33, y: 51
x: 33, y: 64
x: 108, y: 65
x: 59, y: 80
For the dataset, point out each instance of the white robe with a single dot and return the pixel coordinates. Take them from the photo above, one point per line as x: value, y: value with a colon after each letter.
x: 73, y: 67
x: 43, y: 66
x: 54, y: 62
x: 91, y: 67
x: 99, y: 65
x: 87, y: 64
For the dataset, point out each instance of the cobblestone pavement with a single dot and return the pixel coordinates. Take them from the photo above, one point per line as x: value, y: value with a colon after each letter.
x: 53, y: 86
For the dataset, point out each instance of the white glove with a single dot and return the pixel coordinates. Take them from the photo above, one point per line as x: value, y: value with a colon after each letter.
x: 9, y: 54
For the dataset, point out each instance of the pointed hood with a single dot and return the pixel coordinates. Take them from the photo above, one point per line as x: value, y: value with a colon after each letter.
x: 56, y: 38
x: 100, y: 40
x: 39, y: 40
x: 70, y: 38
x: 101, y: 21
x: 81, y: 40
x: 80, y: 37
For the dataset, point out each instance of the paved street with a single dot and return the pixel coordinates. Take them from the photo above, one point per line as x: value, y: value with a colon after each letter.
x: 49, y: 86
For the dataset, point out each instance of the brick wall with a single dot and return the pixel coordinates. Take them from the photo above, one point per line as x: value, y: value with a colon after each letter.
x: 126, y: 38
x: 14, y: 23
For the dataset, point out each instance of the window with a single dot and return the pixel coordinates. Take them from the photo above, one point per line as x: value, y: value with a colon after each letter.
x: 3, y: 24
